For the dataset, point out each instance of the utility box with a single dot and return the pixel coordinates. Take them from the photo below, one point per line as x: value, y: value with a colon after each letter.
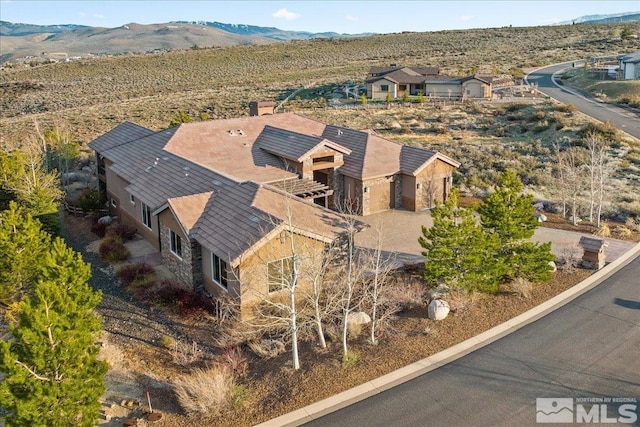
x: 593, y: 257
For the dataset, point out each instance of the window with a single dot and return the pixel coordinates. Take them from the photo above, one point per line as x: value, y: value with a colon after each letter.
x: 384, y: 88
x: 113, y: 202
x: 219, y: 271
x: 279, y: 274
x: 175, y: 243
x: 132, y: 199
x: 402, y: 87
x: 146, y: 215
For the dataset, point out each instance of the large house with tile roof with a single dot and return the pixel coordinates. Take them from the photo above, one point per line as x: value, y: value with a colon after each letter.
x: 396, y: 81
x: 221, y: 199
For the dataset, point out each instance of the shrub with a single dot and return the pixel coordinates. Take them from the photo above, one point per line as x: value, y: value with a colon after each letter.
x: 113, y: 250
x: 137, y: 275
x: 460, y: 300
x: 240, y: 395
x: 99, y: 229
x: 185, y: 301
x: 124, y: 231
x: 205, y: 390
x: 267, y: 348
x: 92, y: 200
x: 234, y: 359
x: 622, y: 231
x: 167, y: 341
x: 349, y: 359
x: 566, y: 108
x: 603, y: 230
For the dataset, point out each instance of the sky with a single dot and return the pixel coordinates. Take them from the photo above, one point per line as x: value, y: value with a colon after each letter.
x: 314, y: 16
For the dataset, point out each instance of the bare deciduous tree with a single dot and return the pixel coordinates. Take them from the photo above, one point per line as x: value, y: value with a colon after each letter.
x: 378, y: 266
x: 598, y: 173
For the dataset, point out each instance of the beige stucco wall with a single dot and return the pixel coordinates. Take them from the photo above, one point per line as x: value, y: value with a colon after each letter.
x: 127, y: 212
x: 476, y: 89
x: 249, y: 281
x: 435, y: 184
x: 374, y: 90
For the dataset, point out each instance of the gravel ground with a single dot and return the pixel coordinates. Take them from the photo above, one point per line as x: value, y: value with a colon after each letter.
x: 139, y: 363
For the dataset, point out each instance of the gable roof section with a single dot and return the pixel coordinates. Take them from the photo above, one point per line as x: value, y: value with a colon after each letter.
x: 188, y: 209
x: 121, y: 134
x: 630, y: 58
x: 293, y: 145
x: 241, y: 218
x: 414, y: 159
x: 371, y: 156
x: 424, y: 71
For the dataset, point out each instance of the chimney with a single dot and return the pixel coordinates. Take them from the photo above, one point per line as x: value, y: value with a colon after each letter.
x: 260, y: 108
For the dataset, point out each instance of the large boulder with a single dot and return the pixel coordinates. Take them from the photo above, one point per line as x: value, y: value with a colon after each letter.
x: 438, y: 309
x: 358, y: 318
x: 105, y: 220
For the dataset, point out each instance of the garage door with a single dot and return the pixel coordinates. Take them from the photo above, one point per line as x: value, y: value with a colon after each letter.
x: 382, y: 197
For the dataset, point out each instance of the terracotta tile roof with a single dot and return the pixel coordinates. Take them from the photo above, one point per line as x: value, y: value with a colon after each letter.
x: 121, y: 134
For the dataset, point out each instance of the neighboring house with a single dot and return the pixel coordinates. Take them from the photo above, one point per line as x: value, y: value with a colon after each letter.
x: 629, y: 66
x: 396, y: 81
x: 220, y: 199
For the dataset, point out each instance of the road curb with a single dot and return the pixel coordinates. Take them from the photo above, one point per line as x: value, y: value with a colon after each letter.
x: 399, y: 376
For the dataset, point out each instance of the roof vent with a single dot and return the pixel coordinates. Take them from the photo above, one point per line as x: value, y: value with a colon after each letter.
x: 231, y: 133
x: 216, y: 182
x: 165, y: 158
x: 240, y: 132
x: 339, y: 131
x: 254, y: 218
x: 186, y: 168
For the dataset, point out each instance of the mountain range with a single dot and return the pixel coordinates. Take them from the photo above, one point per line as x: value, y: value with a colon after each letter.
x: 41, y: 42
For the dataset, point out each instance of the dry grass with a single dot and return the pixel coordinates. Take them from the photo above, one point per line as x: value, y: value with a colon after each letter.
x: 205, y: 390
x: 88, y: 97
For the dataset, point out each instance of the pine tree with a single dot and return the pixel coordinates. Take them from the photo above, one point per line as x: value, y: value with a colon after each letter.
x: 21, y: 242
x: 508, y: 214
x: 53, y: 377
x: 457, y: 252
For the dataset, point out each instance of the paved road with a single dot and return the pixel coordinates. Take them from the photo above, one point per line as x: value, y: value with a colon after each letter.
x: 623, y: 119
x: 588, y: 348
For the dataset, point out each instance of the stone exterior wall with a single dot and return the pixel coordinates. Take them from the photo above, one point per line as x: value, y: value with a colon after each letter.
x: 398, y: 191
x: 188, y: 270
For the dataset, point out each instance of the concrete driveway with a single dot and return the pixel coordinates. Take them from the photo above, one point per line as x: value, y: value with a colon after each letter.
x: 401, y: 230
